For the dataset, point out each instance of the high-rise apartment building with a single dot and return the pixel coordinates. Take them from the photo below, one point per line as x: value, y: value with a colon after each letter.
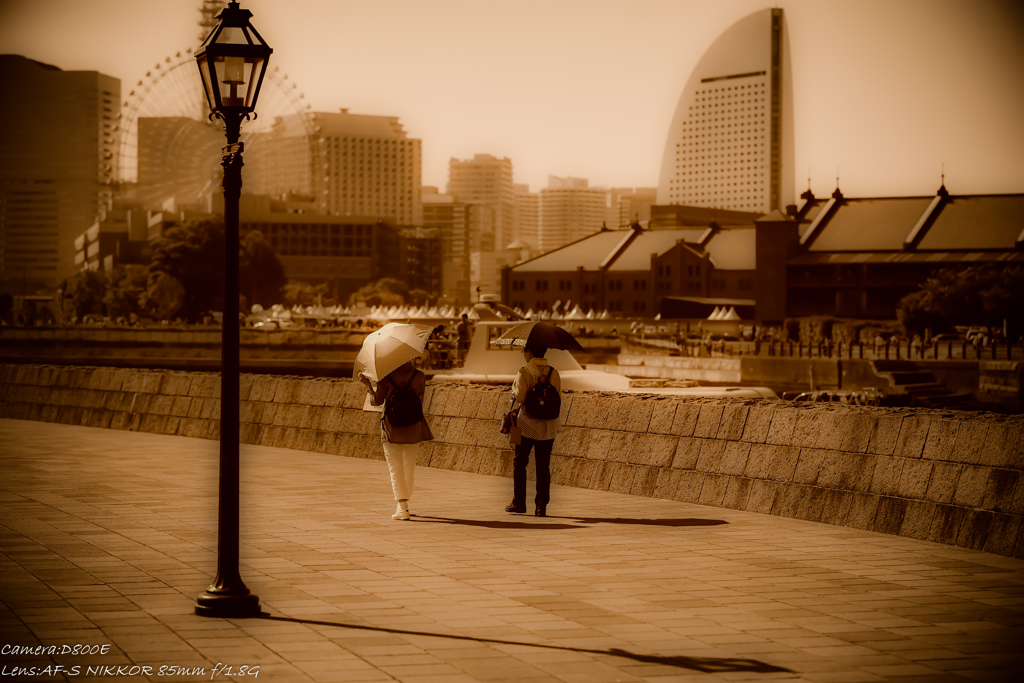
x: 486, y: 180
x: 57, y: 158
x: 354, y: 164
x: 569, y: 210
x: 730, y: 145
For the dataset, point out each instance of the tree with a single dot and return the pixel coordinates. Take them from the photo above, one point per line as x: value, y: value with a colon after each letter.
x: 421, y: 297
x: 193, y: 254
x: 126, y: 290
x: 260, y: 273
x: 83, y: 294
x: 384, y: 292
x: 983, y: 295
x: 303, y: 293
x: 164, y: 295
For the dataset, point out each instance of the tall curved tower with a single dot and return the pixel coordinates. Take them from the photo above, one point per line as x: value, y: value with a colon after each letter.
x: 731, y: 141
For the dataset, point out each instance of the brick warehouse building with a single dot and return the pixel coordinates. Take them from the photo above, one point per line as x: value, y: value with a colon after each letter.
x: 858, y: 257
x: 837, y: 256
x: 629, y: 272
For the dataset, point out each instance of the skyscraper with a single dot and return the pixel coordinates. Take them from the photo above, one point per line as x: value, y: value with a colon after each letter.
x: 57, y: 159
x: 353, y: 164
x: 486, y: 180
x: 527, y: 216
x: 570, y: 210
x: 730, y: 145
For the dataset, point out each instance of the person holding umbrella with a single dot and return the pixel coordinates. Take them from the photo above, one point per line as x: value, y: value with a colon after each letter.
x: 537, y: 391
x: 387, y: 354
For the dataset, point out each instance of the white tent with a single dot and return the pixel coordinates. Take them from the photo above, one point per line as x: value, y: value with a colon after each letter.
x: 731, y: 315
x: 576, y: 314
x: 715, y: 314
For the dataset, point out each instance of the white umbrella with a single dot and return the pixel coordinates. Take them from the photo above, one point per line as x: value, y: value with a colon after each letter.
x: 391, y: 346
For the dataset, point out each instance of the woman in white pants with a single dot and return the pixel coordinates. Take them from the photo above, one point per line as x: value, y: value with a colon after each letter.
x: 401, y: 443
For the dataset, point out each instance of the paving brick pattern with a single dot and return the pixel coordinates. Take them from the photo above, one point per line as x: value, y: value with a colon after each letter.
x: 107, y: 538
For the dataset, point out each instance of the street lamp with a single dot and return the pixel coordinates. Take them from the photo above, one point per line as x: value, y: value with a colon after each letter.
x: 232, y: 61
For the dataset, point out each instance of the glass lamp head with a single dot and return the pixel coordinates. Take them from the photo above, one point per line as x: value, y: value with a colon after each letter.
x: 232, y: 62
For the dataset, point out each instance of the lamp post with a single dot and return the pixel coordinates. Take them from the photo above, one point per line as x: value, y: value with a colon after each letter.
x: 232, y: 61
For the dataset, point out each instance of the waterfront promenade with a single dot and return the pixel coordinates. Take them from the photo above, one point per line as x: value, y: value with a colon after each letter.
x: 108, y: 536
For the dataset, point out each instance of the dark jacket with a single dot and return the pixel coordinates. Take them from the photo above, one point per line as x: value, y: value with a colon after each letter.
x: 413, y: 433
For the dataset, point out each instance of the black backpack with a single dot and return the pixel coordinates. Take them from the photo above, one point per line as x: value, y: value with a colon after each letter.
x: 542, y: 400
x: 403, y: 407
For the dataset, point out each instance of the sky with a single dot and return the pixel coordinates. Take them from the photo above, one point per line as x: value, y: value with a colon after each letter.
x: 884, y: 91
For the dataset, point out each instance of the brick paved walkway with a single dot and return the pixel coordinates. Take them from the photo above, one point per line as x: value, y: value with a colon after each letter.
x: 107, y: 537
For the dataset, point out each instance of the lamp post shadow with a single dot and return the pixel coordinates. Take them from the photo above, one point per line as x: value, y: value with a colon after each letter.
x: 702, y: 664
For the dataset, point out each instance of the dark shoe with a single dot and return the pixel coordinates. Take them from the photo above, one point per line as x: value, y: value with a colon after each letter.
x: 541, y: 511
x: 513, y: 507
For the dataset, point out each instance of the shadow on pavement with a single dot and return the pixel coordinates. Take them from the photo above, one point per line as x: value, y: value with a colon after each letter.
x: 704, y: 664
x: 646, y: 522
x: 494, y: 524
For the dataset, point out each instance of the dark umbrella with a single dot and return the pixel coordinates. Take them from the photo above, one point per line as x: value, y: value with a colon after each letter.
x: 538, y: 334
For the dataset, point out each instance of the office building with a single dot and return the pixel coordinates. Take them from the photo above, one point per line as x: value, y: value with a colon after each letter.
x: 730, y: 144
x: 527, y: 215
x: 118, y: 236
x: 354, y: 165
x: 486, y: 181
x: 569, y: 210
x: 442, y: 213
x: 57, y: 159
x: 420, y: 260
x: 630, y: 205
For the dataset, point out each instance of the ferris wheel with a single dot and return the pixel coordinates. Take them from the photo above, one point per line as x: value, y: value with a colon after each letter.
x: 172, y: 89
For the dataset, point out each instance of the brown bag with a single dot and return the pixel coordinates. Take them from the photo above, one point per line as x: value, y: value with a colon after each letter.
x: 508, y: 421
x: 510, y: 426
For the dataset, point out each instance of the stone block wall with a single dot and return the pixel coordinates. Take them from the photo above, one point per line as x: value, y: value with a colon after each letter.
x: 943, y: 476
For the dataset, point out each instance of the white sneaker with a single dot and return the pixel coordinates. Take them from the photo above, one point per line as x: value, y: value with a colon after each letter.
x: 402, y: 512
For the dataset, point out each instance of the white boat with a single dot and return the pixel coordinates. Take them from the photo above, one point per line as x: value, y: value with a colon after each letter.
x: 485, y: 364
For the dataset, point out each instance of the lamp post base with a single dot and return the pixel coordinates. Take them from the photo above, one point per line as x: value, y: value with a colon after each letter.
x: 228, y: 605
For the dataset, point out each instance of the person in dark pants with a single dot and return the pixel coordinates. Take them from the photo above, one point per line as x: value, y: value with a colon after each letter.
x: 537, y: 435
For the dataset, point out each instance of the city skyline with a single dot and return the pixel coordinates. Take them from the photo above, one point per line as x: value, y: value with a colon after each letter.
x: 886, y: 92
